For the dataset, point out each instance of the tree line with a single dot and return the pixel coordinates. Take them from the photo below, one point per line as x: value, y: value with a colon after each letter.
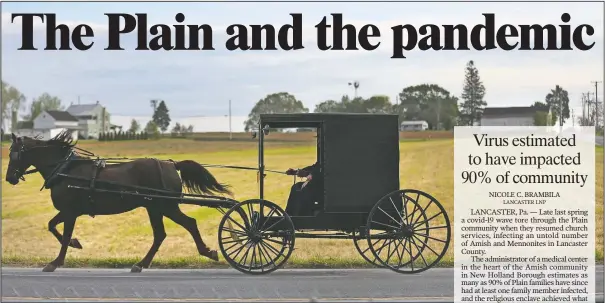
x: 432, y: 103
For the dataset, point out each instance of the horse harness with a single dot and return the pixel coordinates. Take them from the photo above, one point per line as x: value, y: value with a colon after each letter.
x: 97, y: 166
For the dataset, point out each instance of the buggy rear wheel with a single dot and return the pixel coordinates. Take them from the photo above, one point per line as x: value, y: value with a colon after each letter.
x: 409, y: 231
x: 261, y: 246
x: 363, y: 249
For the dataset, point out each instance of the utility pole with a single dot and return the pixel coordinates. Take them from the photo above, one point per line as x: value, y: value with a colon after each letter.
x: 588, y: 118
x: 560, y: 113
x: 230, y: 134
x: 596, y: 103
x: 583, y: 109
x: 438, y: 114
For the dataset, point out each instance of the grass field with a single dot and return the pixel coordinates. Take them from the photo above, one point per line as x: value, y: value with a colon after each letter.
x: 121, y: 240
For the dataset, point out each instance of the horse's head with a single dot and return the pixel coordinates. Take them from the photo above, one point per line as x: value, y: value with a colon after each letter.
x: 26, y: 151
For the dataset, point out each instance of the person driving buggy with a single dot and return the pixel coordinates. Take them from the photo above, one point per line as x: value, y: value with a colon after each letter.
x: 304, y: 194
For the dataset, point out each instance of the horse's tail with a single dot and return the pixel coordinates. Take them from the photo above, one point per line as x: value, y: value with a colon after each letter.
x: 197, y: 179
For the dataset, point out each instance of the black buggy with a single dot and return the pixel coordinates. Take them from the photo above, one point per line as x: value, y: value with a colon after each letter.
x: 405, y: 230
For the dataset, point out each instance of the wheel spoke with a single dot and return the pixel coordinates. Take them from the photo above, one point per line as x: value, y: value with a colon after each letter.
x: 427, y: 220
x: 423, y: 211
x: 234, y: 231
x: 400, y: 256
x: 429, y: 248
x: 419, y: 253
x: 427, y: 236
x: 389, y: 216
x: 429, y: 228
x: 384, y: 224
x: 237, y: 223
x: 268, y: 216
x: 396, y: 209
x: 269, y: 228
x: 415, y: 206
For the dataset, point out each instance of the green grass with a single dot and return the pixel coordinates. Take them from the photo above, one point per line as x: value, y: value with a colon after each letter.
x: 122, y: 240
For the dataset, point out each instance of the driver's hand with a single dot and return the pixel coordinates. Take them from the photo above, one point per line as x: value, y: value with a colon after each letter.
x: 291, y: 172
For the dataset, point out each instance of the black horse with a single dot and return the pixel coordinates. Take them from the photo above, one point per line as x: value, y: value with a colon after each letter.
x: 57, y: 156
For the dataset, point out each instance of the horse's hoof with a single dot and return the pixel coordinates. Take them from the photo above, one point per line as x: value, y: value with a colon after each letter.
x: 49, y: 267
x: 213, y: 254
x: 75, y: 243
x: 136, y: 269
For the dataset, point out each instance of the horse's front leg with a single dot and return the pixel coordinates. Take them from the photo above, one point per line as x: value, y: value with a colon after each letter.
x: 52, y: 227
x: 69, y: 222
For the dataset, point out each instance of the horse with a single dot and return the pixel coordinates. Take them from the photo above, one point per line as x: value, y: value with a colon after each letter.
x: 59, y: 155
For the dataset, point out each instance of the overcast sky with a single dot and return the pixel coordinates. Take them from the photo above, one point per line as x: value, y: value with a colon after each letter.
x: 201, y: 82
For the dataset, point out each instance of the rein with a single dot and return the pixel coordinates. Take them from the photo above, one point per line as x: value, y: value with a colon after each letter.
x: 117, y: 160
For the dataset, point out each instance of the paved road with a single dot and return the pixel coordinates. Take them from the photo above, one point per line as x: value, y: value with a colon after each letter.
x: 222, y: 285
x: 599, y: 140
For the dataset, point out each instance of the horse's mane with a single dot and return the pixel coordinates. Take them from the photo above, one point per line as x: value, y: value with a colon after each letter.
x: 64, y: 138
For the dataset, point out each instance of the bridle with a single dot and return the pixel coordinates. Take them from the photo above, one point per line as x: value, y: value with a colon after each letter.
x: 17, y: 156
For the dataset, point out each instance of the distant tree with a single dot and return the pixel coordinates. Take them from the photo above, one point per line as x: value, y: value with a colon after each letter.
x: 378, y: 104
x: 190, y: 128
x: 375, y: 104
x: 277, y: 103
x: 329, y: 106
x: 12, y: 101
x: 134, y: 126
x: 161, y: 118
x: 42, y: 103
x: 429, y: 102
x: 177, y: 130
x: 558, y: 100
x: 473, y: 93
x: 151, y: 129
x: 541, y: 115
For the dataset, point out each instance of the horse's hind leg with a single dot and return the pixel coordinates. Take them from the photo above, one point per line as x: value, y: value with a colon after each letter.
x: 52, y: 227
x: 190, y: 224
x: 159, y: 234
x: 69, y: 222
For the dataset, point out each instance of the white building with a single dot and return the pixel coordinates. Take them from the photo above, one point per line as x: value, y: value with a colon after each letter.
x: 48, y: 124
x: 93, y: 119
x: 414, y: 126
x: 509, y: 116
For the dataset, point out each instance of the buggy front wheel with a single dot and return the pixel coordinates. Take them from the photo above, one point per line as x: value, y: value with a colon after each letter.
x: 361, y: 244
x: 409, y: 231
x: 261, y: 246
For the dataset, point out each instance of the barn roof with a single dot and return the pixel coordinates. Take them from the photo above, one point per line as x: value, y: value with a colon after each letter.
x: 81, y: 109
x: 60, y: 115
x: 25, y: 125
x: 509, y: 111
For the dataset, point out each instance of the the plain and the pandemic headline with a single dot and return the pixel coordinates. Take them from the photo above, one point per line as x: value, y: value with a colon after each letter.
x: 406, y: 37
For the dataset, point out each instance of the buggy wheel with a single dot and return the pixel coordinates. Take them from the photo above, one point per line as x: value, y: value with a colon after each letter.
x: 363, y: 249
x: 263, y: 245
x: 409, y: 231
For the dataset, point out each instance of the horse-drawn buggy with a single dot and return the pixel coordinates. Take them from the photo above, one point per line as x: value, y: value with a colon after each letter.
x: 357, y: 196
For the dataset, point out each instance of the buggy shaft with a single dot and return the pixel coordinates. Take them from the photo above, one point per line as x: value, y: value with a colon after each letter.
x: 148, y: 188
x: 183, y: 200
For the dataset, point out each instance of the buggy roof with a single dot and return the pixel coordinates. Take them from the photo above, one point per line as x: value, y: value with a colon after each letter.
x: 313, y: 119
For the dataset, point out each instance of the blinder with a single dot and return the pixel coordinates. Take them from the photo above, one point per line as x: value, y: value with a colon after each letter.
x: 15, y: 155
